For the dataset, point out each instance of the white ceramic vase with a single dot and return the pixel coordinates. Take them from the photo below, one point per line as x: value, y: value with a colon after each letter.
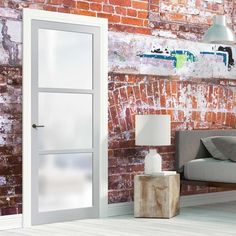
x: 152, y: 162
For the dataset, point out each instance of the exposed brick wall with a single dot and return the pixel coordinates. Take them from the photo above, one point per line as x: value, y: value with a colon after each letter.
x: 10, y: 139
x: 128, y: 94
x: 141, y: 94
x: 166, y: 18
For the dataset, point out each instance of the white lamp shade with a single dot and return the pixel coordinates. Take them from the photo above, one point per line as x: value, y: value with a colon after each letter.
x: 219, y: 32
x: 152, y: 130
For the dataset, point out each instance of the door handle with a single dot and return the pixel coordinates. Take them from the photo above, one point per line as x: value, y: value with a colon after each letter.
x: 37, y: 126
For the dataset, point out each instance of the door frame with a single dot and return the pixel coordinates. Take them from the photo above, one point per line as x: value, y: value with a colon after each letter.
x: 102, y: 24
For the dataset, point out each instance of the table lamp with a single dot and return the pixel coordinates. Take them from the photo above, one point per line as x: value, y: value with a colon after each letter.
x: 152, y: 130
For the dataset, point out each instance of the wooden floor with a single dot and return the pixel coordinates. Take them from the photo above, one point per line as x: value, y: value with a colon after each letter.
x: 216, y: 219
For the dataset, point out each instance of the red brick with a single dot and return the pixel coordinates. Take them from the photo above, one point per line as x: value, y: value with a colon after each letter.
x: 55, y: 2
x: 143, y: 14
x: 129, y: 29
x: 98, y: 1
x: 219, y: 117
x: 140, y: 30
x: 130, y: 92
x: 131, y: 21
x: 156, y: 2
x: 152, y: 105
x: 69, y: 3
x: 224, y: 118
x: 143, y: 92
x: 194, y: 103
x: 123, y: 95
x: 49, y: 8
x: 82, y: 5
x: 126, y: 3
x: 111, y: 18
x: 132, y: 79
x: 63, y: 10
x: 173, y: 87
x: 233, y: 121
x: 208, y: 117
x: 167, y: 85
x: 128, y: 119
x: 137, y: 92
x: 95, y: 6
x: 120, y: 10
x: 140, y: 5
x: 114, y: 115
x: 131, y: 12
x: 150, y: 89
x: 108, y: 8
x: 154, y: 8
x: 83, y: 12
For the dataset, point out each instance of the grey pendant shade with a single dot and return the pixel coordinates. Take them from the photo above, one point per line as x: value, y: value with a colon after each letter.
x: 219, y: 32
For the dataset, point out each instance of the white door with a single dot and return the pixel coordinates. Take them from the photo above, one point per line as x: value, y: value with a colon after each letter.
x: 66, y: 117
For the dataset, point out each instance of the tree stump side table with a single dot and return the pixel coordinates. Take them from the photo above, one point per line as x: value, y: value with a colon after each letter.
x: 156, y: 196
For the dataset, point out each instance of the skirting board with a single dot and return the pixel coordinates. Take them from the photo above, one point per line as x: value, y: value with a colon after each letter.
x: 10, y: 222
x: 207, y: 198
x: 127, y: 208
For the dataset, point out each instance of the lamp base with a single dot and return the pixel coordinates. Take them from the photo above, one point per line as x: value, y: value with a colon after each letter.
x: 152, y: 162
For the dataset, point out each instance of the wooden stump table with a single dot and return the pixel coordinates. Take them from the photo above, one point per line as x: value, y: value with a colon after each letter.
x: 156, y: 196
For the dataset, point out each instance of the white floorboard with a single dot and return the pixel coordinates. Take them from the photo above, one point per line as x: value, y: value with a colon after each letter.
x: 213, y: 220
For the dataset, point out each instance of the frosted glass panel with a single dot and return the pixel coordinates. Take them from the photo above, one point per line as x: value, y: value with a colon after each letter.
x: 65, y: 59
x: 65, y: 181
x: 67, y: 119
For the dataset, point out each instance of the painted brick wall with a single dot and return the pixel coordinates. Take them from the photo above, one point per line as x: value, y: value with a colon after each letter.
x: 128, y: 94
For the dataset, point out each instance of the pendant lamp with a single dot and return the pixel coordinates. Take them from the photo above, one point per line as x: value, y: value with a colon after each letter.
x: 219, y: 32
